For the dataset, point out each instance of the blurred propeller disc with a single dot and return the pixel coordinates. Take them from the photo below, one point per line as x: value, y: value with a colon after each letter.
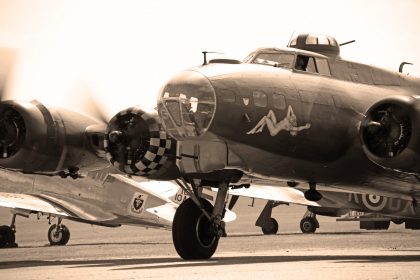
x: 7, y: 61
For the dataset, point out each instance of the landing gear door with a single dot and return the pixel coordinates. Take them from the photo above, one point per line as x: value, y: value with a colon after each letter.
x: 201, y: 156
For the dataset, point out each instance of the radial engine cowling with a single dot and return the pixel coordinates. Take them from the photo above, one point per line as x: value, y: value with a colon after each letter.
x: 35, y: 139
x: 390, y: 133
x: 136, y: 143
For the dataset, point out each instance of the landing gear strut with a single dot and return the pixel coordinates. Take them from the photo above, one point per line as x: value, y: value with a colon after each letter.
x: 197, y: 225
x: 309, y: 223
x: 268, y: 224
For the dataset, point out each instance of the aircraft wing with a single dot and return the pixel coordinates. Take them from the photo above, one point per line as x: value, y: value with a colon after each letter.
x: 281, y: 194
x: 30, y: 203
x: 166, y: 211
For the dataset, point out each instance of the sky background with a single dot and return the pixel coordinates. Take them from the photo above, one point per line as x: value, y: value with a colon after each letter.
x: 122, y: 52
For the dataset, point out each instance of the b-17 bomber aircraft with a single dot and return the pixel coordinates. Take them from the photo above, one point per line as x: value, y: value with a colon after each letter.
x: 299, y: 115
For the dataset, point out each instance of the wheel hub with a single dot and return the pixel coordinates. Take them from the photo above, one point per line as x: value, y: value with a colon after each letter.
x: 204, y: 232
x: 56, y: 235
x: 307, y: 225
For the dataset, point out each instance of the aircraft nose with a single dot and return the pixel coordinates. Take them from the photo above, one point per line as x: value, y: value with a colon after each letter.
x: 187, y: 105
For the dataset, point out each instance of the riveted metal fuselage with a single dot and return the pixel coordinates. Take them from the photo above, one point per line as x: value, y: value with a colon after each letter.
x: 283, y: 124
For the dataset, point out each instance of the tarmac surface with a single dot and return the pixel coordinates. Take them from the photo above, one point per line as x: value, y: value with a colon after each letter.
x: 339, y: 250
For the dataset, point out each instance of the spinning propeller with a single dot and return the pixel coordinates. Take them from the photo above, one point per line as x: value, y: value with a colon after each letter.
x: 12, y: 126
x: 387, y: 130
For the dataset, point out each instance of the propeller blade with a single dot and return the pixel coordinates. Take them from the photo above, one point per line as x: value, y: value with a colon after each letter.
x: 88, y: 103
x: 7, y: 61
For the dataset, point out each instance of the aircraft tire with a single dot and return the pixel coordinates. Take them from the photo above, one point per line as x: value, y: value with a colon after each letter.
x: 60, y: 237
x: 271, y: 227
x: 7, y: 237
x: 66, y: 232
x: 308, y: 225
x: 397, y: 221
x: 192, y: 233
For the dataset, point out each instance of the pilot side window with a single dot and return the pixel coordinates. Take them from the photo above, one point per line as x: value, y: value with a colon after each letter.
x: 311, y: 68
x: 301, y: 62
x: 275, y: 59
x: 306, y: 63
x: 323, y: 67
x: 279, y: 102
x: 260, y: 98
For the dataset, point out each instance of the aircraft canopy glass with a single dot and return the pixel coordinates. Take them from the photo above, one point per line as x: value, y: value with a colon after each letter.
x: 187, y: 105
x: 275, y: 59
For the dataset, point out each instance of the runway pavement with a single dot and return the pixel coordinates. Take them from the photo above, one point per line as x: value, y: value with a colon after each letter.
x: 336, y: 251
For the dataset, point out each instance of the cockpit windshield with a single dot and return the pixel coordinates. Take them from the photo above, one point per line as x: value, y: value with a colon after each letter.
x: 284, y: 60
x: 187, y: 105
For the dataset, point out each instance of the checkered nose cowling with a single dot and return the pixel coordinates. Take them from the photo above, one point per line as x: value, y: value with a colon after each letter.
x: 135, y: 143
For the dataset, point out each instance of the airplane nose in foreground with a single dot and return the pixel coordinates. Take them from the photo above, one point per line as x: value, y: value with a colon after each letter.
x: 187, y: 105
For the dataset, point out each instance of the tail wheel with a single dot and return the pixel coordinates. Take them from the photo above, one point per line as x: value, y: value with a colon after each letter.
x: 192, y: 233
x: 58, y: 236
x: 270, y: 227
x: 308, y: 225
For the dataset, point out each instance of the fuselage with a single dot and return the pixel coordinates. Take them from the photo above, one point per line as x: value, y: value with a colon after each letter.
x: 277, y: 122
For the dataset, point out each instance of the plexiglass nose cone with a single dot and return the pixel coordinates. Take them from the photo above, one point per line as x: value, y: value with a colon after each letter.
x: 187, y: 104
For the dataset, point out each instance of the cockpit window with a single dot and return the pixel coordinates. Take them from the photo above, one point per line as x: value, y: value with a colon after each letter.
x: 301, y: 62
x: 249, y: 57
x: 311, y: 68
x: 275, y: 59
x: 323, y: 67
x: 312, y: 65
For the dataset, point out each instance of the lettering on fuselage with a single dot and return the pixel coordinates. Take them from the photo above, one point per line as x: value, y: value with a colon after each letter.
x: 289, y: 123
x: 180, y: 196
x: 379, y: 203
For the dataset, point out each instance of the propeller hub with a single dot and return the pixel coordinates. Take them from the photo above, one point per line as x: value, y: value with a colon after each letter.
x: 12, y: 132
x: 387, y: 130
x: 374, y: 127
x: 116, y: 136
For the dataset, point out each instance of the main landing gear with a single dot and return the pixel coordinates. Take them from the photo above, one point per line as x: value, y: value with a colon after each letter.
x: 8, y: 234
x: 197, y: 225
x: 309, y: 223
x: 268, y: 224
x: 58, y: 234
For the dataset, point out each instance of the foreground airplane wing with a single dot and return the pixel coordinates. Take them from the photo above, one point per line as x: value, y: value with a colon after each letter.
x: 99, y: 198
x: 30, y: 203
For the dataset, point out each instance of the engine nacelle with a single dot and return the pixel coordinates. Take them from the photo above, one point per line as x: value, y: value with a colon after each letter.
x: 34, y: 139
x: 390, y: 133
x: 136, y: 143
